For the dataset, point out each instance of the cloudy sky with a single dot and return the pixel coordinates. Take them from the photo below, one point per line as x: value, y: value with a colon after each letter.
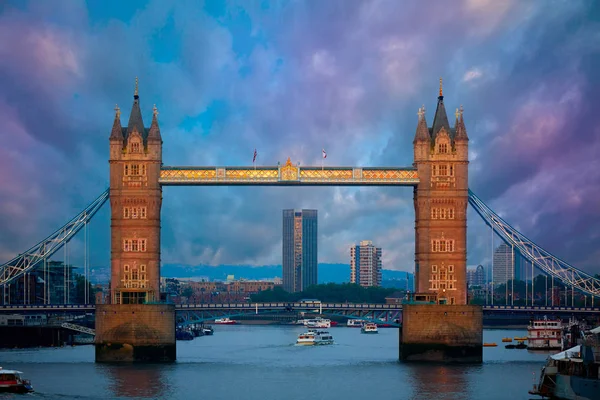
x: 290, y: 78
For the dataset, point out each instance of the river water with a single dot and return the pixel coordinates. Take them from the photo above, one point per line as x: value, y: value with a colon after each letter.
x: 260, y: 362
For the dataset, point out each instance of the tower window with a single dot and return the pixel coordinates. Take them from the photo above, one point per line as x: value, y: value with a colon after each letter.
x: 135, y: 147
x: 134, y: 212
x: 443, y: 170
x: 443, y: 148
x: 125, y: 212
x: 143, y: 212
x: 442, y: 246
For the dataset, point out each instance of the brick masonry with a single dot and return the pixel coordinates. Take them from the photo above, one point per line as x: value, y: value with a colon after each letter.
x: 432, y: 332
x: 441, y: 156
x: 135, y: 332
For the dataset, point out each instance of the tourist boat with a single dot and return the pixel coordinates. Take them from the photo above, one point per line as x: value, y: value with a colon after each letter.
x: 573, y: 373
x: 12, y: 382
x: 355, y: 323
x: 207, y: 330
x: 225, y: 321
x: 544, y: 334
x: 314, y: 338
x: 523, y: 338
x: 490, y: 345
x: 369, y: 328
x: 317, y: 323
x: 507, y: 339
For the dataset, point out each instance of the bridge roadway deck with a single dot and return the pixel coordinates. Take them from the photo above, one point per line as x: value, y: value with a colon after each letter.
x: 15, y: 309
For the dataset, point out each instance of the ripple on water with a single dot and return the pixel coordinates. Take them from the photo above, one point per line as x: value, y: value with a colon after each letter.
x: 262, y: 362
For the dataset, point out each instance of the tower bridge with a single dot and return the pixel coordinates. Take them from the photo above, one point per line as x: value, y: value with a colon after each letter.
x: 144, y: 326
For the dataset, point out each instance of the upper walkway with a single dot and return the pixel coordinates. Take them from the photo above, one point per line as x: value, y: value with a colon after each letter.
x: 289, y: 174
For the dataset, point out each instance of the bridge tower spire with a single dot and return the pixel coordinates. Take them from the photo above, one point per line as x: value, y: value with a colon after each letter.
x: 440, y: 200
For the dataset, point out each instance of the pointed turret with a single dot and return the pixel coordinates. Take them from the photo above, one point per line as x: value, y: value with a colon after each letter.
x: 440, y: 120
x: 135, y: 118
x: 154, y: 133
x: 117, y: 131
x: 461, y: 130
x: 422, y: 133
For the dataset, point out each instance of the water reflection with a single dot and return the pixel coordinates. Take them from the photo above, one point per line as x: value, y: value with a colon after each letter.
x: 138, y: 380
x: 441, y: 381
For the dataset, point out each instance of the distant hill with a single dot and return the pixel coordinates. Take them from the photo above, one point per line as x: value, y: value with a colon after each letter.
x: 334, y: 273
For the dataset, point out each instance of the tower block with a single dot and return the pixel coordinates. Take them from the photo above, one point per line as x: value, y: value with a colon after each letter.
x: 135, y: 327
x: 437, y: 323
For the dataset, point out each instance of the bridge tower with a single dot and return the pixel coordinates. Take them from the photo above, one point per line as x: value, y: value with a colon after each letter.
x: 441, y: 156
x: 448, y: 329
x: 135, y: 202
x: 135, y: 327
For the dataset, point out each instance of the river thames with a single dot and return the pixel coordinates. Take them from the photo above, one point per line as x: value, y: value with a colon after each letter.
x: 262, y: 362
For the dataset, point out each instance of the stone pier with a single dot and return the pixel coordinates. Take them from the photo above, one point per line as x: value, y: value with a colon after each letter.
x: 441, y: 333
x: 135, y: 333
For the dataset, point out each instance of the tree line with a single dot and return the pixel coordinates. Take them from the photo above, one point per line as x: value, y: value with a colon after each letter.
x: 327, y: 293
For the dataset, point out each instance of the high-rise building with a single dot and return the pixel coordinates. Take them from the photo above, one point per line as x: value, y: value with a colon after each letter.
x: 504, y: 266
x: 299, y: 249
x: 476, y: 277
x: 365, y: 264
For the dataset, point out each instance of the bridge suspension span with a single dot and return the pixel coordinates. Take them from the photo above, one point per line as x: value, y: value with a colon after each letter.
x: 34, y: 257
x: 546, y: 262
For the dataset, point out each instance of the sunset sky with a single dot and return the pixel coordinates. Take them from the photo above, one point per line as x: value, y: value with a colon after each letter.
x: 290, y: 78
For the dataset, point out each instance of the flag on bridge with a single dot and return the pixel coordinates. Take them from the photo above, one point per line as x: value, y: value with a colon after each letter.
x: 254, y: 158
x: 324, y: 154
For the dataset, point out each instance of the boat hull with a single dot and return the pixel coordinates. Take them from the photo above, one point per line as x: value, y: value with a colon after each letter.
x: 369, y: 332
x: 322, y: 343
x: 576, y: 388
x: 18, y: 388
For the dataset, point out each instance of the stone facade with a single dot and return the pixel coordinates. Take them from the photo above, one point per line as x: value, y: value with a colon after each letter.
x: 440, y: 200
x: 135, y: 332
x: 135, y: 202
x: 441, y: 333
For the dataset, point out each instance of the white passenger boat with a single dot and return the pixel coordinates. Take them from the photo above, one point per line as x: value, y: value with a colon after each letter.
x: 314, y: 338
x: 12, y: 382
x: 317, y: 323
x: 355, y: 323
x: 544, y: 334
x: 369, y: 328
x: 225, y: 321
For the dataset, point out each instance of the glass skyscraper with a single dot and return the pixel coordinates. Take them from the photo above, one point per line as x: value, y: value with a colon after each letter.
x: 299, y: 249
